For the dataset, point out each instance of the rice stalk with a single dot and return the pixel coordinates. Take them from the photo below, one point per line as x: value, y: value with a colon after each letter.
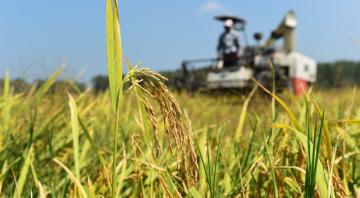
x: 312, y: 155
x: 209, y: 166
x: 114, y: 61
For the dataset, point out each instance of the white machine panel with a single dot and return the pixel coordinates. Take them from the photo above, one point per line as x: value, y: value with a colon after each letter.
x: 229, y: 79
x: 302, y: 67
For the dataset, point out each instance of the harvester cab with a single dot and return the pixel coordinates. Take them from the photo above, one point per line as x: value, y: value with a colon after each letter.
x: 292, y: 69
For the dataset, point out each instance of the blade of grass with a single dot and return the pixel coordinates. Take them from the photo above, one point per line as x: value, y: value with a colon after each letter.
x: 243, y: 114
x: 343, y: 164
x: 272, y: 172
x: 5, y: 105
x: 194, y: 193
x: 114, y: 53
x: 246, y: 156
x: 217, y: 162
x: 48, y: 83
x: 205, y: 168
x: 41, y: 192
x: 326, y: 130
x: 122, y: 174
x: 322, y: 175
x: 72, y: 178
x: 114, y: 61
x: 23, y: 173
x: 292, y: 117
x: 75, y: 134
x: 2, y: 175
x: 209, y: 167
x: 273, y: 119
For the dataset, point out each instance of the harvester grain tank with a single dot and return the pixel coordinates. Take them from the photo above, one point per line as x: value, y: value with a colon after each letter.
x: 292, y: 69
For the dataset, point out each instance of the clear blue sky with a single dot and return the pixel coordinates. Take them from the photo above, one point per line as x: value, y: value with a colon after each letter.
x: 37, y: 36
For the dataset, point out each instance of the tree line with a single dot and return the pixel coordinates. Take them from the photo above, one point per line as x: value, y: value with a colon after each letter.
x: 329, y: 75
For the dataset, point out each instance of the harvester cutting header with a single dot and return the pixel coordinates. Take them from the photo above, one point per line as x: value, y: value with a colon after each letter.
x: 237, y: 64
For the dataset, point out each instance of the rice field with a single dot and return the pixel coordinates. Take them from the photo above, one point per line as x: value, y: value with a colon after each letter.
x: 59, y: 145
x: 140, y: 139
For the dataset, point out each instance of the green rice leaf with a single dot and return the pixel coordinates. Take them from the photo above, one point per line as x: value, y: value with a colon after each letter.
x: 114, y: 61
x: 50, y: 81
x: 114, y: 52
x: 322, y: 175
x: 194, y: 193
x: 2, y: 175
x: 75, y: 134
x: 23, y: 173
x: 6, y: 104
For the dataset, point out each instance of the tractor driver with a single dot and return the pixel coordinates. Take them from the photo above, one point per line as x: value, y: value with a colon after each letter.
x: 229, y: 46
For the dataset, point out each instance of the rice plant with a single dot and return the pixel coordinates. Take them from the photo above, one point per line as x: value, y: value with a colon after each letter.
x: 140, y: 139
x: 313, y: 149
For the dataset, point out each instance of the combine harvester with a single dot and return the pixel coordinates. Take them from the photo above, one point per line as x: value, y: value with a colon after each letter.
x: 293, y: 70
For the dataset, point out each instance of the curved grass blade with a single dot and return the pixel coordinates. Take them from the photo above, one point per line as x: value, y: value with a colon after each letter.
x: 73, y: 178
x: 243, y: 114
x: 292, y: 117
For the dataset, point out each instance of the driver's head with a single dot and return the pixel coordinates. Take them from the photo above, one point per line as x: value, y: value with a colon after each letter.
x: 228, y: 24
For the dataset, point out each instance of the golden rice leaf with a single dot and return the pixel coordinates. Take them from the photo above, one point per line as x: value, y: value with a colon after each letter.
x: 279, y: 126
x: 42, y: 193
x: 243, y: 114
x: 350, y: 121
x: 292, y: 117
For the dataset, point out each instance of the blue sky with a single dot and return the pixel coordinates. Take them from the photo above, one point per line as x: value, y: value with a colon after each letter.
x: 37, y: 36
